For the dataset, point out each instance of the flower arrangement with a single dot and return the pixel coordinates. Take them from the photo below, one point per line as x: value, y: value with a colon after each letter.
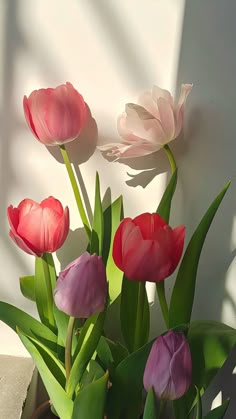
x: 87, y: 374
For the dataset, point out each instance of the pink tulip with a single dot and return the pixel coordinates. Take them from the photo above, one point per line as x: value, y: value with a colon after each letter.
x: 169, y: 367
x: 146, y: 248
x: 55, y: 116
x: 38, y: 228
x: 149, y: 125
x: 82, y: 287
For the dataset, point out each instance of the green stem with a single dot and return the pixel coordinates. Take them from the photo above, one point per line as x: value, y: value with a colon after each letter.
x: 163, y: 303
x: 162, y: 408
x: 44, y: 291
x: 171, y: 158
x: 69, y: 338
x: 161, y: 285
x: 139, y: 314
x: 76, y: 191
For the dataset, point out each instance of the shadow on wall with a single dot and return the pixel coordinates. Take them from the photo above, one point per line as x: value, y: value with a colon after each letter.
x: 14, y: 43
x: 208, y: 60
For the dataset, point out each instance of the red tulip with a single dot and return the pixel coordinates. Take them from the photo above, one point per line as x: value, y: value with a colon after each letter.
x: 169, y: 367
x: 55, y: 116
x: 38, y: 228
x: 146, y: 248
x: 82, y: 287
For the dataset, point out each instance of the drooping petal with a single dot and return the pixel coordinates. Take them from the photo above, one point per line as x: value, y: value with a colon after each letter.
x: 166, y: 117
x: 179, y: 114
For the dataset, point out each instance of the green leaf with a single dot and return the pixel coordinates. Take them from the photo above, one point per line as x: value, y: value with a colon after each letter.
x: 150, y: 410
x: 92, y: 373
x: 127, y: 383
x: 90, y: 401
x: 218, y: 412
x: 54, y: 365
x: 61, y: 401
x: 210, y: 344
x: 199, y: 405
x: 128, y: 314
x: 87, y: 349
x: 165, y: 204
x: 96, y: 244
x: 183, y: 292
x: 44, y: 292
x: 113, y: 215
x: 14, y: 317
x: 119, y: 352
x: 27, y: 287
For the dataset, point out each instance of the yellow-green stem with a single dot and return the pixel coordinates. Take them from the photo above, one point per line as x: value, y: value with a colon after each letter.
x: 76, y: 191
x: 68, y: 354
x: 170, y: 158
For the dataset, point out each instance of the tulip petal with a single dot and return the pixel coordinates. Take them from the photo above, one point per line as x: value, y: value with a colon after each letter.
x: 178, y: 235
x: 158, y: 92
x: 124, y: 132
x: 13, y: 218
x: 52, y: 203
x: 179, y: 115
x: 149, y: 224
x: 28, y: 116
x: 146, y: 100
x: 180, y: 371
x: 125, y: 226
x: 143, y: 125
x: 166, y: 117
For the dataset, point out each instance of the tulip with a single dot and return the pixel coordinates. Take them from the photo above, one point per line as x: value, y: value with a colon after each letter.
x: 146, y: 248
x: 38, y: 228
x: 147, y: 126
x: 55, y: 116
x: 169, y: 367
x: 82, y: 287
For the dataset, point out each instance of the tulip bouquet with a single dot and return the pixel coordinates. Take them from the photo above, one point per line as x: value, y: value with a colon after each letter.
x: 87, y: 374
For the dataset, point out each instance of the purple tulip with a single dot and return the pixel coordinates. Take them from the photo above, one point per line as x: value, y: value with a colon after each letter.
x: 169, y: 367
x: 82, y: 287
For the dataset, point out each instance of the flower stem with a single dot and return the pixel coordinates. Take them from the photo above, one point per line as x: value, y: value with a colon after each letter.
x: 139, y: 314
x: 171, y: 158
x: 69, y: 338
x: 163, y: 303
x: 76, y: 191
x: 162, y: 408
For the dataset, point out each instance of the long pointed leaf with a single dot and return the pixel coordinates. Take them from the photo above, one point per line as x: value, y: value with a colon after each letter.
x: 61, y: 402
x: 87, y: 349
x: 128, y: 314
x: 90, y: 402
x: 183, y: 292
x: 150, y: 410
x: 14, y: 317
x: 165, y: 204
x: 27, y: 287
x: 218, y: 412
x: 114, y: 275
x: 96, y: 244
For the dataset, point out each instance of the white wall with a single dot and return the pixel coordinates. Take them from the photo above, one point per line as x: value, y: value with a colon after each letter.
x: 111, y: 50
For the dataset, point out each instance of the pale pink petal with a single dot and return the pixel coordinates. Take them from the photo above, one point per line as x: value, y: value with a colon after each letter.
x: 124, y: 132
x: 147, y: 129
x: 38, y: 103
x: 157, y: 93
x: 167, y: 117
x: 124, y: 151
x: 146, y: 100
x: 179, y: 113
x: 26, y: 206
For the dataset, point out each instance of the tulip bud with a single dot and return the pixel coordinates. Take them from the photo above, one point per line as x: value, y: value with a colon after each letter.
x: 55, y: 116
x: 38, y: 228
x: 146, y: 248
x: 82, y: 287
x: 169, y: 367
